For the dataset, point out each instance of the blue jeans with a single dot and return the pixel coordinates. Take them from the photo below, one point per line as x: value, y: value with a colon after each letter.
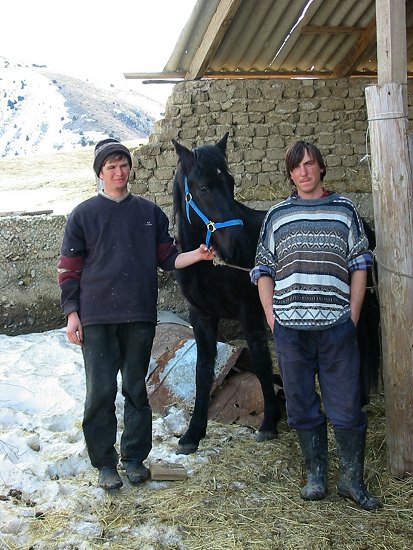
x: 332, y: 355
x: 108, y: 349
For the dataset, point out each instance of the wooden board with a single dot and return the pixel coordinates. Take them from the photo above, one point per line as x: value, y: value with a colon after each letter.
x: 165, y: 471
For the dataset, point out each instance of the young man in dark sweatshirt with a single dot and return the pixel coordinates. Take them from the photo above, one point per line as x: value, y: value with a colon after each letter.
x: 112, y: 247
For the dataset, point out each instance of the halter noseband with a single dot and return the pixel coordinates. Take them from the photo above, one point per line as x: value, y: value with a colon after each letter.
x: 210, y: 225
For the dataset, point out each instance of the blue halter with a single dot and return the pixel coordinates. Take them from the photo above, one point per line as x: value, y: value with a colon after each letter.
x: 211, y: 226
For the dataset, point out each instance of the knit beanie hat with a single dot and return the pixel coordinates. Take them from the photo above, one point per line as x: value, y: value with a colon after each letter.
x: 108, y: 147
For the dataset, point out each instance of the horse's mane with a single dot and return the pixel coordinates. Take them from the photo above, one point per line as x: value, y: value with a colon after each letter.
x: 209, y: 158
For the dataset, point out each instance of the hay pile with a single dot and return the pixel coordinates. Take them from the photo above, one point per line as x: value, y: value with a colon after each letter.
x: 245, y: 496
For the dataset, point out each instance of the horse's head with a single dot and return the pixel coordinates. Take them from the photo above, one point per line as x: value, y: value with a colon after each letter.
x: 204, y: 201
x: 206, y: 170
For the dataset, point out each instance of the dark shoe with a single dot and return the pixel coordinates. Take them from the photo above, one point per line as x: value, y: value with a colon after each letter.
x: 136, y: 473
x: 350, y: 447
x: 314, y: 447
x: 109, y: 478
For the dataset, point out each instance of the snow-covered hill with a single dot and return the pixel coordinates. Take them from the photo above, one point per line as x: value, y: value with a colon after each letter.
x: 42, y: 112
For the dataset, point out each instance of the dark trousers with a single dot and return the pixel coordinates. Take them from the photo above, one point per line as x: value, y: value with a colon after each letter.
x: 332, y: 355
x: 108, y: 349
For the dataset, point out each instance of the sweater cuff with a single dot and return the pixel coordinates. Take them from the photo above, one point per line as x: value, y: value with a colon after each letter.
x: 362, y: 262
x: 261, y: 271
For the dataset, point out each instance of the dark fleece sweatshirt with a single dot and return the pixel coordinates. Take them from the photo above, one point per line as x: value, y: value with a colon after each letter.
x: 109, y: 258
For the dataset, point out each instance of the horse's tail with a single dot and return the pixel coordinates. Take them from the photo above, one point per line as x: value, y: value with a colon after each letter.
x: 368, y: 329
x: 369, y: 341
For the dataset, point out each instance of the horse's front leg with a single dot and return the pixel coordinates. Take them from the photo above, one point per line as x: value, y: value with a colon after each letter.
x: 261, y: 365
x: 205, y: 331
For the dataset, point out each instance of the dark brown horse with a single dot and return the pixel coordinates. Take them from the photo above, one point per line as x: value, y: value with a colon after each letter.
x: 205, y: 211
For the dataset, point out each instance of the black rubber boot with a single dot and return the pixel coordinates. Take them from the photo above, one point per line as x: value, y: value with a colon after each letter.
x: 350, y: 447
x: 136, y: 473
x: 109, y: 478
x: 314, y: 447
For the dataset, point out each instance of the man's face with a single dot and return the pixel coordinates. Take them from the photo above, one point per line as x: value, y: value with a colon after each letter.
x: 307, y: 178
x: 115, y: 175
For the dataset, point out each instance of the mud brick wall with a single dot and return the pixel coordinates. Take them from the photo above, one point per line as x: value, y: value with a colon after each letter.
x: 262, y: 117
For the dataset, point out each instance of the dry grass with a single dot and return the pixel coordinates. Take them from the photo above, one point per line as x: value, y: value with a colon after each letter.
x: 37, y: 170
x: 246, y: 497
x: 56, y: 181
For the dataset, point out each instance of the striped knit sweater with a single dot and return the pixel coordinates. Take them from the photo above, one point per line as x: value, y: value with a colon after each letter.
x: 310, y: 247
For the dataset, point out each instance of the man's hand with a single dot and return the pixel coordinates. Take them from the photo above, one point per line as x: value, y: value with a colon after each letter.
x: 206, y: 253
x: 74, y: 329
x: 184, y: 259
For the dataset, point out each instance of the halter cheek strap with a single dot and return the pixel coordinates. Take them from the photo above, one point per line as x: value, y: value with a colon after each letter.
x: 210, y: 225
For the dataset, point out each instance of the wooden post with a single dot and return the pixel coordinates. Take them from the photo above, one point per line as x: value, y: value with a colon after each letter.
x: 391, y: 41
x: 393, y: 212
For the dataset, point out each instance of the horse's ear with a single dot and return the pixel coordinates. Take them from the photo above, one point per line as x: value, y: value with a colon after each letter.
x: 222, y: 144
x: 184, y: 154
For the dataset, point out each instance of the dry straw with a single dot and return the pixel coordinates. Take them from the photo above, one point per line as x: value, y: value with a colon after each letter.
x: 246, y: 497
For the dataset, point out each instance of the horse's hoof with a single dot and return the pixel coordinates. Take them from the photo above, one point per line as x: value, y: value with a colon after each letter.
x: 186, y: 449
x: 265, y: 435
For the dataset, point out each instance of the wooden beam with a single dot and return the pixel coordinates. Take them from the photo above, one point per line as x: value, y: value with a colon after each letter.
x: 346, y: 67
x: 150, y: 76
x: 212, y: 38
x: 392, y: 188
x: 391, y: 41
x: 174, y: 78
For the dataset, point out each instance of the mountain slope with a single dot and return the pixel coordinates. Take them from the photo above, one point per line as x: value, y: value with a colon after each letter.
x: 41, y: 112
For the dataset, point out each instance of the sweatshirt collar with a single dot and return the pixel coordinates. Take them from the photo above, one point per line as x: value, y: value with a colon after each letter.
x: 326, y: 195
x: 102, y: 192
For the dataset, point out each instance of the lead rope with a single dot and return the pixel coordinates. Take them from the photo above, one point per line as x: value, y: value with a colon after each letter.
x: 218, y: 262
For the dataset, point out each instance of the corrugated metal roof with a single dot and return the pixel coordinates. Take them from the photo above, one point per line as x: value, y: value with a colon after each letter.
x: 278, y: 38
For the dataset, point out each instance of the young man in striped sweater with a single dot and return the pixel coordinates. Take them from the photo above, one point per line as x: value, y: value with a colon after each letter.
x: 112, y: 247
x: 311, y: 270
